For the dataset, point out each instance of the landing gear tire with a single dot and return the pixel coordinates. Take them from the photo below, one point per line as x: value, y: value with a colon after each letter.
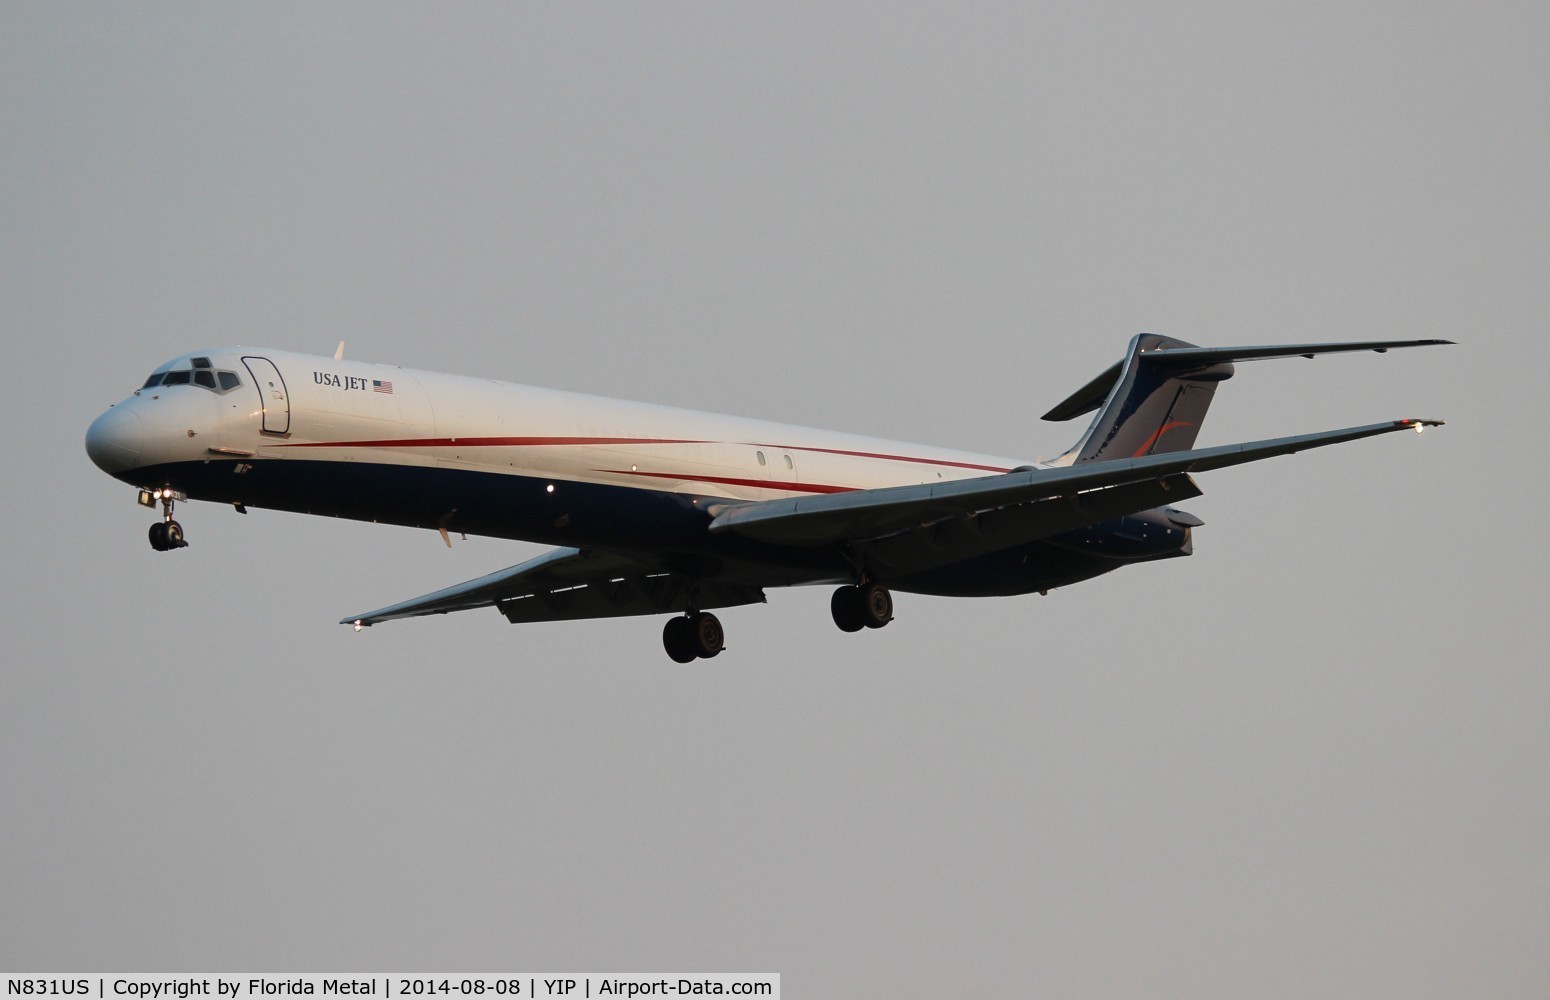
x: 876, y: 605
x: 677, y: 641
x: 867, y: 606
x: 845, y: 606
x: 166, y: 533
x: 709, y: 639
x: 693, y: 637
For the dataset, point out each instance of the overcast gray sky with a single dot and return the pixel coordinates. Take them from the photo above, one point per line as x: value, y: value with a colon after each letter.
x: 1309, y: 761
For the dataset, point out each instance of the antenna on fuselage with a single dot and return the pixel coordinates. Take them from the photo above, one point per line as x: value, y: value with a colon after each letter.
x: 339, y: 352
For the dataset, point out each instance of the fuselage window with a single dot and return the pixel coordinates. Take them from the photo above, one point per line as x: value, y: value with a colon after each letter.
x: 229, y: 380
x: 204, y: 378
x: 789, y: 464
x: 761, y: 456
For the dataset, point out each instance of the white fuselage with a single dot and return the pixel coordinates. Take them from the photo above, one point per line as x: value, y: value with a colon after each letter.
x: 318, y: 409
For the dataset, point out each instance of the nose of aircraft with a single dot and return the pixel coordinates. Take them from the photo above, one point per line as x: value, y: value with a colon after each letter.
x: 114, y: 440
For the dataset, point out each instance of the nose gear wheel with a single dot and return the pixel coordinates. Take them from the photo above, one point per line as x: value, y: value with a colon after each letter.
x: 166, y: 534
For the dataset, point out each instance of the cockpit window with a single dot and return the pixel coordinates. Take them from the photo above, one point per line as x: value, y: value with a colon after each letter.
x: 199, y: 373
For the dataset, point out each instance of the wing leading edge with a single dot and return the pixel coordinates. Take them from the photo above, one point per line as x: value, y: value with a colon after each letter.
x: 567, y: 584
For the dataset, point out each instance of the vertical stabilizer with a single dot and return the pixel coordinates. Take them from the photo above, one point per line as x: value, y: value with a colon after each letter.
x: 1154, y: 403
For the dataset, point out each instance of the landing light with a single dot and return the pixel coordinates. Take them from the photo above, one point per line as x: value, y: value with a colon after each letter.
x: 358, y: 625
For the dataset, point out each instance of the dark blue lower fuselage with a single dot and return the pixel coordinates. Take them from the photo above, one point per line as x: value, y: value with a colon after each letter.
x: 667, y: 529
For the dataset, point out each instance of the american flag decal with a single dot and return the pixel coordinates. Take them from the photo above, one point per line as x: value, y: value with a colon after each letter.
x: 386, y: 387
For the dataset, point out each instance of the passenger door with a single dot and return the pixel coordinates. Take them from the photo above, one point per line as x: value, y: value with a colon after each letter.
x: 271, y: 394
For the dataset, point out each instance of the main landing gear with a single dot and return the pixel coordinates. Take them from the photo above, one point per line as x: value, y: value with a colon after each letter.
x: 696, y: 635
x: 867, y: 605
x: 165, y: 534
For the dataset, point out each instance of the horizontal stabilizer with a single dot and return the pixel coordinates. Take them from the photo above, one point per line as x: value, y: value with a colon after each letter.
x: 1200, y: 357
x: 1089, y: 397
x: 1182, y: 359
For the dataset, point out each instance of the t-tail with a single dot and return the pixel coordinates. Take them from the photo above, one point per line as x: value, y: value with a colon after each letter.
x: 1154, y: 401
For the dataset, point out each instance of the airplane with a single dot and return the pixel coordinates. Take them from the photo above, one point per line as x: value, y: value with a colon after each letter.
x: 655, y: 510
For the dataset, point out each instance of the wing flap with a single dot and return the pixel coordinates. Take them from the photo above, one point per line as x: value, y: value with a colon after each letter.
x: 659, y: 594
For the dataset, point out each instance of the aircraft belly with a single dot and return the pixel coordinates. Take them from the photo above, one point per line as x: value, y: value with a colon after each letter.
x: 667, y: 529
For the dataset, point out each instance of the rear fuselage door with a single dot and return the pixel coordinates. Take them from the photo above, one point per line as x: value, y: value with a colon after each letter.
x: 271, y: 394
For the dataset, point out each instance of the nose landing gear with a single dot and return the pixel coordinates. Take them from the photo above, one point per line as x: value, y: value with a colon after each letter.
x: 165, y: 534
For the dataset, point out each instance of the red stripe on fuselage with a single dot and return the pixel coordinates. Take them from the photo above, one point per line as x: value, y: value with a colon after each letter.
x: 545, y: 442
x: 763, y: 484
x: 886, y: 458
x: 486, y: 442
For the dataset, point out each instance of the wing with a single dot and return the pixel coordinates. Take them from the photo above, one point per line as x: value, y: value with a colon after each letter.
x: 567, y: 584
x: 909, y: 528
x: 1024, y: 505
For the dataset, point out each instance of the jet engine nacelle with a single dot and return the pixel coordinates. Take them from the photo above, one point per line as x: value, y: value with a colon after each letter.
x: 1151, y: 534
